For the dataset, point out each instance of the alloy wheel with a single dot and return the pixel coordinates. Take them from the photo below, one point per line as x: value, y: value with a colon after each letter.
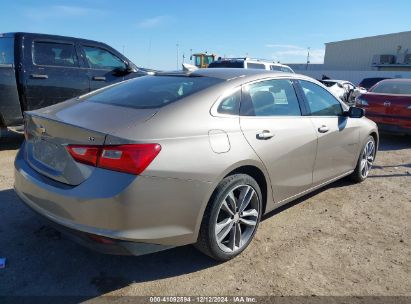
x: 237, y: 218
x: 367, y: 158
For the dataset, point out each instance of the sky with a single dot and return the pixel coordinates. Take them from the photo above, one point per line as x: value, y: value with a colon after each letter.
x: 158, y: 33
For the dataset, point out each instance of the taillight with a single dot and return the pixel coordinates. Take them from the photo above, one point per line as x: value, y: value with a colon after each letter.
x: 85, y: 154
x: 133, y: 158
x: 361, y: 102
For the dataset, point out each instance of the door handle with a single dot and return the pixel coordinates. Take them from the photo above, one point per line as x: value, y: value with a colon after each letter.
x: 99, y: 78
x: 39, y: 76
x: 266, y: 134
x: 323, y: 129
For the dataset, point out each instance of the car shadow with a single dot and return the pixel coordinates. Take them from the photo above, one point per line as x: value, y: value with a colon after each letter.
x: 10, y: 140
x: 344, y: 182
x: 41, y: 261
x: 390, y: 142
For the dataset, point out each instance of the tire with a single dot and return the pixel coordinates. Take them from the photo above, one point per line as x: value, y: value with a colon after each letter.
x: 239, y: 226
x: 365, y: 161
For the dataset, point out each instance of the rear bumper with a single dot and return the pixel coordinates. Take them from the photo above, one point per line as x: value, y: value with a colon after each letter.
x: 118, y: 206
x: 383, y: 127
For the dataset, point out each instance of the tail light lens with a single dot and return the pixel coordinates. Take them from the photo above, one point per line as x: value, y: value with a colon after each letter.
x: 361, y: 102
x: 85, y: 154
x: 133, y: 158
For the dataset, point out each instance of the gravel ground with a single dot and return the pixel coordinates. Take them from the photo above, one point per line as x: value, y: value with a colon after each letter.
x: 343, y: 240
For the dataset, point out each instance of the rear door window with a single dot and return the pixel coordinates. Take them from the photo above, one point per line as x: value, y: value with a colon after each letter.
x: 6, y: 51
x: 99, y: 58
x: 259, y: 66
x: 270, y: 98
x: 152, y: 91
x: 393, y: 87
x: 54, y: 54
x: 231, y: 104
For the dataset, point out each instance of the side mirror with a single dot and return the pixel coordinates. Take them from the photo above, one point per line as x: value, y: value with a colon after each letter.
x: 355, y: 112
x: 130, y: 68
x: 120, y: 71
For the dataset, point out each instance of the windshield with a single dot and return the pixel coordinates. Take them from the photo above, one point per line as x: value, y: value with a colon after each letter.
x: 393, y: 87
x: 152, y: 91
x: 280, y: 68
x: 369, y: 82
x: 328, y: 83
x: 6, y: 51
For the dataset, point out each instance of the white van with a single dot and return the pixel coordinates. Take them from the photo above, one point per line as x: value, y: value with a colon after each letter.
x: 248, y: 63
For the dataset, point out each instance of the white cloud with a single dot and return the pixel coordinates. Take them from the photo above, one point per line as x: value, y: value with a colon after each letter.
x: 295, y: 54
x: 154, y: 22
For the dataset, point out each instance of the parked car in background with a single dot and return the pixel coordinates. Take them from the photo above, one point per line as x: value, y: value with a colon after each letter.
x: 248, y: 63
x: 344, y: 89
x: 367, y: 83
x: 38, y: 70
x: 388, y: 103
x: 180, y: 158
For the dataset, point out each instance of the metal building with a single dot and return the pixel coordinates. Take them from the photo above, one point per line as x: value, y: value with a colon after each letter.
x: 390, y: 52
x: 355, y: 59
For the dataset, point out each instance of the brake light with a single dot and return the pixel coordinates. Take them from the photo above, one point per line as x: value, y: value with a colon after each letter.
x: 85, y: 154
x: 133, y: 158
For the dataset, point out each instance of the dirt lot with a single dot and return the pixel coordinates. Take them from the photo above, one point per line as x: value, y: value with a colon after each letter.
x: 343, y: 240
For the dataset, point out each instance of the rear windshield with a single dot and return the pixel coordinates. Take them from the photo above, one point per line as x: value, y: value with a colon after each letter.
x: 280, y: 68
x: 393, y: 87
x: 258, y: 66
x: 328, y: 83
x: 152, y: 91
x: 369, y: 82
x: 6, y: 51
x: 227, y: 64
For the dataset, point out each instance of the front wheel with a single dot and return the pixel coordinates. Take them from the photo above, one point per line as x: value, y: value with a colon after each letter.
x: 231, y: 217
x: 365, y: 161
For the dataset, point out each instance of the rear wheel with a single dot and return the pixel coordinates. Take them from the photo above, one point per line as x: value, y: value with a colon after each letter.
x: 365, y: 161
x: 231, y: 218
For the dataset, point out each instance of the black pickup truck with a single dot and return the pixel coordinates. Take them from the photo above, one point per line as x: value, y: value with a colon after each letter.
x: 38, y: 70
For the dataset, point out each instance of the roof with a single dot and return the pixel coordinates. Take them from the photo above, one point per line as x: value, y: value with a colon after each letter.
x: 230, y: 73
x: 12, y: 34
x: 371, y: 37
x: 406, y: 80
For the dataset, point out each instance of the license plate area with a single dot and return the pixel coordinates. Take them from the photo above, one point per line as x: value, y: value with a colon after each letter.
x: 49, y: 154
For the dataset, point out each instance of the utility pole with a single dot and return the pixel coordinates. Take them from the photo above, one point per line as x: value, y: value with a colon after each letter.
x: 177, y: 55
x: 308, y: 58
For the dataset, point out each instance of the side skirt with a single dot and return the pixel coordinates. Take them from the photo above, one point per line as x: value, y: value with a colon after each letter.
x: 294, y: 197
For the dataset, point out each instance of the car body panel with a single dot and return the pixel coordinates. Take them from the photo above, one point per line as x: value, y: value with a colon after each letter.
x: 337, y: 148
x: 289, y: 156
x: 27, y: 84
x: 391, y: 111
x: 164, y: 205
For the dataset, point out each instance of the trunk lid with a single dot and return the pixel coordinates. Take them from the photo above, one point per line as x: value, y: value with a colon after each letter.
x: 50, y: 130
x: 390, y: 106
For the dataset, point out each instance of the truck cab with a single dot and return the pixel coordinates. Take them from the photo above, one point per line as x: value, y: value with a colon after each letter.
x: 38, y: 70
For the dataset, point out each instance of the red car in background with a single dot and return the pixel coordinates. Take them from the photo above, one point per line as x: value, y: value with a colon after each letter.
x: 388, y: 103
